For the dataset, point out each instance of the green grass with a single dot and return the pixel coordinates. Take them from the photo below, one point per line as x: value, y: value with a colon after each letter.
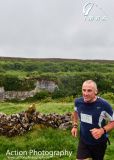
x: 41, y: 138
x: 49, y: 107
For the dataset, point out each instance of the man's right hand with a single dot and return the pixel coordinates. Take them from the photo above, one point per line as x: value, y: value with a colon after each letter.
x: 74, y: 132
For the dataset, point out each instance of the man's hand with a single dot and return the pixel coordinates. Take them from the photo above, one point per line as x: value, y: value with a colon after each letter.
x: 97, y: 132
x: 74, y: 132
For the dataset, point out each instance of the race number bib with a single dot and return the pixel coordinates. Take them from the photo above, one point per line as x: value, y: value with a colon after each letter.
x: 86, y: 118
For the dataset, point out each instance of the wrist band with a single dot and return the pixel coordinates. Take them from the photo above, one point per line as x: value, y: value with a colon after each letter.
x: 75, y: 125
x: 104, y: 130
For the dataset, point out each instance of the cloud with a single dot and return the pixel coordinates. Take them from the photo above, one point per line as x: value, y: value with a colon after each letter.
x: 55, y: 28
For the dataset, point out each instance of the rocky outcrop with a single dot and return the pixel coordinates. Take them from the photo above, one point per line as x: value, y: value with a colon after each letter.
x: 22, y: 95
x: 45, y: 85
x: 18, y: 124
x: 19, y: 95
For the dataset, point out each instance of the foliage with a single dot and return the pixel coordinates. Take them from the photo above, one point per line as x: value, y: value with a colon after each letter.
x: 41, y: 95
x: 13, y: 83
x: 67, y: 74
x: 109, y: 96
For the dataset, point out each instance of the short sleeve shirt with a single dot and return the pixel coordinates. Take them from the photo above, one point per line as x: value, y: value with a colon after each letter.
x: 93, y: 115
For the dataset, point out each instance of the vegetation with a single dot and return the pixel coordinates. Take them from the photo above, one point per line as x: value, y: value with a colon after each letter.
x: 41, y: 138
x: 67, y: 74
x: 20, y: 74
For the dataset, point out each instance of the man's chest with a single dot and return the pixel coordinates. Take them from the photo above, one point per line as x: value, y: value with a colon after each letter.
x: 89, y: 114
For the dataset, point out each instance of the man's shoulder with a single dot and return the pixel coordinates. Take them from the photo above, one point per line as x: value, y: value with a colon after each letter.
x: 103, y: 101
x: 79, y: 100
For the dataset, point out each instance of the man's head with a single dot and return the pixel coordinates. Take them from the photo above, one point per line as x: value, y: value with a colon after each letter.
x: 89, y: 91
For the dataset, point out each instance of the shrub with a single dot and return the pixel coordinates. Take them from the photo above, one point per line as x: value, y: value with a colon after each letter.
x: 41, y: 95
x: 108, y: 96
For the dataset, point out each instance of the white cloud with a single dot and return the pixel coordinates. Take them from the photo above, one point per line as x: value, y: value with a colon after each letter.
x: 55, y: 28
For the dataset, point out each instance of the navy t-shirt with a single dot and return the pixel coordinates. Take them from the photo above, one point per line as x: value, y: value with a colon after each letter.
x: 93, y: 115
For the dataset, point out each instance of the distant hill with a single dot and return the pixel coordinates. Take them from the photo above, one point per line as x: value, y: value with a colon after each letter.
x: 20, y: 73
x: 56, y: 59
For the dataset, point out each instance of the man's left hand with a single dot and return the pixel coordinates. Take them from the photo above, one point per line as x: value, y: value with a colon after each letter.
x: 97, y: 132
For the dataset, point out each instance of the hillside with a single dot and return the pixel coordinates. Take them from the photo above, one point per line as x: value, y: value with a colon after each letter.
x: 68, y: 74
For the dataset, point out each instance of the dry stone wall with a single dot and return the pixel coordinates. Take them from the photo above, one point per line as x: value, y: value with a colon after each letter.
x: 18, y: 124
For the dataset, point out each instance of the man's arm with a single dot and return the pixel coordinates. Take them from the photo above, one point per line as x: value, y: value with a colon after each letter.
x: 75, y: 124
x: 75, y: 118
x: 98, y: 132
x: 109, y: 126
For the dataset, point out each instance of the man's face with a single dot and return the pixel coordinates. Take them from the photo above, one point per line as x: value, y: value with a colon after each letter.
x: 88, y: 92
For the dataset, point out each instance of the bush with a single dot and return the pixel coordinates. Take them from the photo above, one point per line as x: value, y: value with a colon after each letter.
x: 41, y: 95
x: 108, y: 96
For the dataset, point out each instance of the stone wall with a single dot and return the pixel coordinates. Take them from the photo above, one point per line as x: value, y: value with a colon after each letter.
x: 21, y: 95
x: 18, y: 124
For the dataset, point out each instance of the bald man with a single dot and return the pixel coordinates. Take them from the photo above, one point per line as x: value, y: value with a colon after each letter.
x: 92, y: 113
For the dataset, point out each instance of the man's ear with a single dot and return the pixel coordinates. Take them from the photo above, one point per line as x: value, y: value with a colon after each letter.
x: 96, y: 92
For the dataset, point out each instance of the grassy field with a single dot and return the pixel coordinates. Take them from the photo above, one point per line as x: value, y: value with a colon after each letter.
x: 50, y: 107
x: 41, y: 142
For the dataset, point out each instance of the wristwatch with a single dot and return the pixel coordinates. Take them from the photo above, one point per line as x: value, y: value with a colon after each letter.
x: 104, y: 130
x: 75, y: 125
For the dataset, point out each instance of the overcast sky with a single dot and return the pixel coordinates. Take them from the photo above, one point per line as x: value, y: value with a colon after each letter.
x: 80, y: 29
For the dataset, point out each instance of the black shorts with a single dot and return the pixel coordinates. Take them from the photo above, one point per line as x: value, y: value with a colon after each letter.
x: 96, y: 152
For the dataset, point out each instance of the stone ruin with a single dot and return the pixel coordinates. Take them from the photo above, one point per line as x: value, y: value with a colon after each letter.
x: 18, y: 124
